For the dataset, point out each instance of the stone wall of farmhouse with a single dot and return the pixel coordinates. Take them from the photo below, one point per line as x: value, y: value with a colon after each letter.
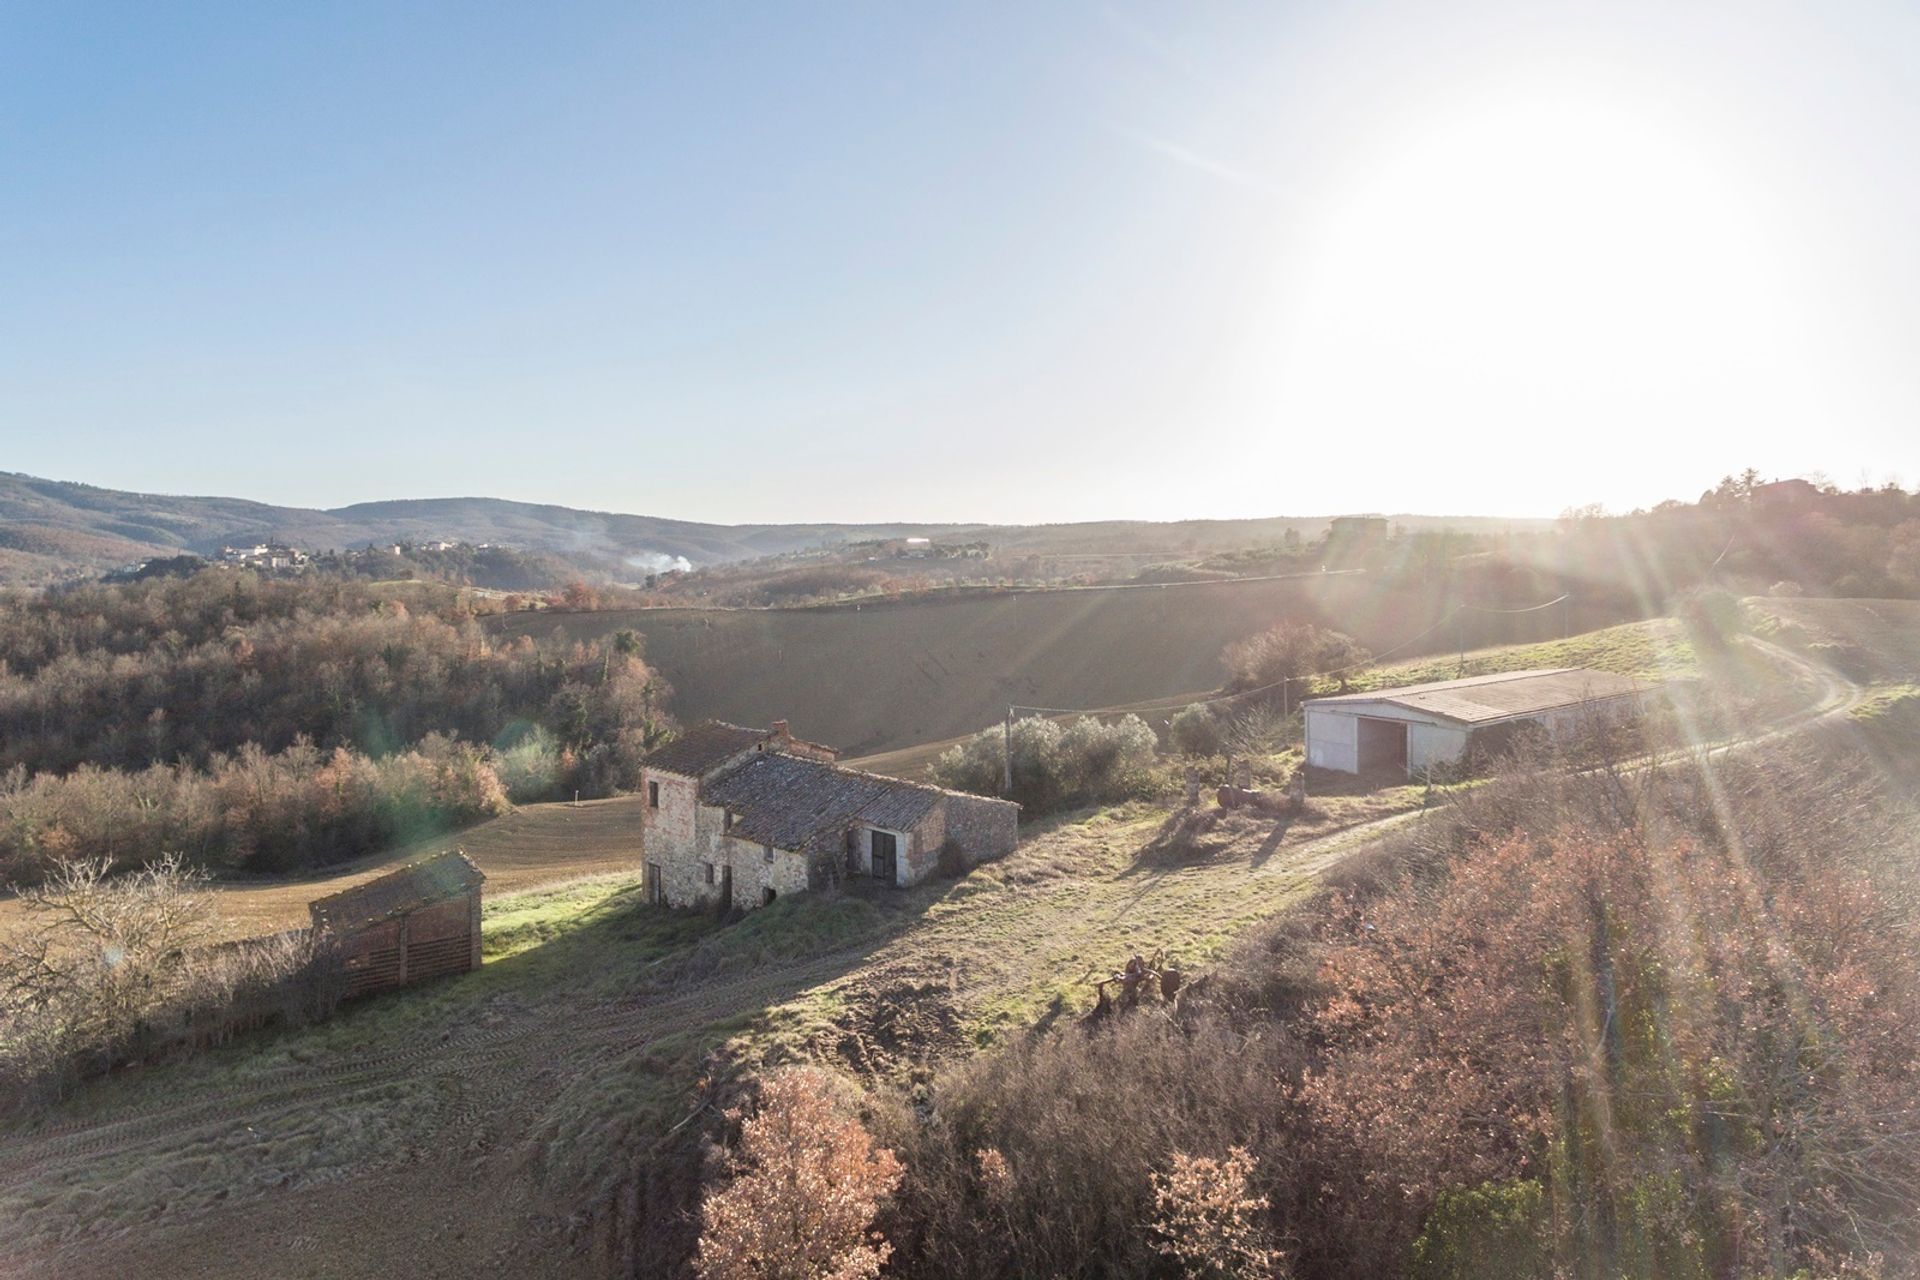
x: 673, y: 820
x: 980, y: 829
x: 921, y: 850
x: 754, y: 872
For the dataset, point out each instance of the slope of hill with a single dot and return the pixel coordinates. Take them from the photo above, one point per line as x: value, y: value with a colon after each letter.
x: 452, y: 1129
x: 877, y: 677
x: 53, y: 527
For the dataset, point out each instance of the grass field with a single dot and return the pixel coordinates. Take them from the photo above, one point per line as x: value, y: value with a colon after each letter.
x: 1874, y: 640
x: 590, y: 1022
x: 533, y: 845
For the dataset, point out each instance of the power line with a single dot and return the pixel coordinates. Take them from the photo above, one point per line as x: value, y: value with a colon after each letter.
x: 1532, y: 608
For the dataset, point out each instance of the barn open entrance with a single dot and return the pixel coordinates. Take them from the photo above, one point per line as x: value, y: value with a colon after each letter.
x: 1382, y: 744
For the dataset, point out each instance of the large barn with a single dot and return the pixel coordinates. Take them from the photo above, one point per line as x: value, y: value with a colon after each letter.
x: 1418, y: 727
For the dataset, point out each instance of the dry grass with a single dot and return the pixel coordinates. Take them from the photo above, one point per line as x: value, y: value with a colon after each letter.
x: 534, y: 845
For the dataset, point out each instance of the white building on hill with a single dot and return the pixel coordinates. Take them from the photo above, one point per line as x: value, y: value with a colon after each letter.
x: 1415, y: 728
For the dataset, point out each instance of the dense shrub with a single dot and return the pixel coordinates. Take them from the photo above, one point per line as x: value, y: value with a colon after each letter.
x: 1087, y: 762
x: 1196, y: 731
x: 162, y: 671
x: 1290, y: 651
x: 247, y: 812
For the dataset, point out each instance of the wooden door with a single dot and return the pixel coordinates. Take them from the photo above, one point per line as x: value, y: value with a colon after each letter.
x: 886, y: 857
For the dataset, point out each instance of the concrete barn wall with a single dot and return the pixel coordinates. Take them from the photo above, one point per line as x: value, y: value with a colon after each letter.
x: 1333, y: 734
x: 1432, y: 744
x: 1333, y: 740
x: 981, y: 829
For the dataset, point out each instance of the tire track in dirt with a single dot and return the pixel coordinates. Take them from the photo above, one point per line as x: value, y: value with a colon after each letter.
x: 565, y: 1030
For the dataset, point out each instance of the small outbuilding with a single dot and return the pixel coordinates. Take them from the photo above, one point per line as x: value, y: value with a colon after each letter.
x: 1417, y: 727
x: 417, y: 922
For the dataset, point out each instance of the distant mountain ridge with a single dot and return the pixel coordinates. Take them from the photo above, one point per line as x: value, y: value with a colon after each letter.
x: 52, y: 528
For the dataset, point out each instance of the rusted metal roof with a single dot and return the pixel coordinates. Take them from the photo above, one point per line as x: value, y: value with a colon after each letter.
x: 418, y: 884
x: 1510, y: 695
x: 805, y: 805
x: 704, y: 748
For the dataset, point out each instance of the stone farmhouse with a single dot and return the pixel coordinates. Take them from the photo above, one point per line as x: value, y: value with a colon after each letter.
x: 748, y: 815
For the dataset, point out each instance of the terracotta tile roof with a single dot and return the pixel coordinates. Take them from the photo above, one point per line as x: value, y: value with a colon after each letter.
x: 418, y: 884
x: 805, y: 805
x: 704, y: 748
x: 1506, y: 696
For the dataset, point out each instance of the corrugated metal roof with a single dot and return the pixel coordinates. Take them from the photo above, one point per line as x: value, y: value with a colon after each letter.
x: 1508, y: 695
x: 792, y: 803
x: 418, y: 884
x: 703, y: 748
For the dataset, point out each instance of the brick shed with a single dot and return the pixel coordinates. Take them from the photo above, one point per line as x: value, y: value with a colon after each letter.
x: 418, y: 922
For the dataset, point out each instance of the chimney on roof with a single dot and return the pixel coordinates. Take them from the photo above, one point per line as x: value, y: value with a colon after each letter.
x: 781, y: 731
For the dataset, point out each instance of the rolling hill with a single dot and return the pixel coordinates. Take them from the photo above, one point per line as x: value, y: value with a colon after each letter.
x: 55, y: 528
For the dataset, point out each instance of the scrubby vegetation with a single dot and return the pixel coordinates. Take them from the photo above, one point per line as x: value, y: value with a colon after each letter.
x: 801, y: 1188
x: 263, y: 725
x: 1289, y: 652
x: 1055, y: 766
x: 1658, y: 1022
x: 109, y: 970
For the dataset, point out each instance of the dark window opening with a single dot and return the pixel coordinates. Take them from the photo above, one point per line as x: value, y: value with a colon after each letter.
x: 653, y: 795
x: 767, y: 895
x: 710, y: 875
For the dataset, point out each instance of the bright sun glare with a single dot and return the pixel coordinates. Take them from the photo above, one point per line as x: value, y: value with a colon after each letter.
x: 1538, y: 262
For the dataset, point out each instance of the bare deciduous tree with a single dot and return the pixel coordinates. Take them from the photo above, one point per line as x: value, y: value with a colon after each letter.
x: 805, y: 1182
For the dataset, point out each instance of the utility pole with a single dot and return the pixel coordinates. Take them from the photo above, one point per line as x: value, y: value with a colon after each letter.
x: 1006, y: 759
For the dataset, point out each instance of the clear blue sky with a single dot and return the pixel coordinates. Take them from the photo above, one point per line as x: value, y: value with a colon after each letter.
x: 1023, y: 262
